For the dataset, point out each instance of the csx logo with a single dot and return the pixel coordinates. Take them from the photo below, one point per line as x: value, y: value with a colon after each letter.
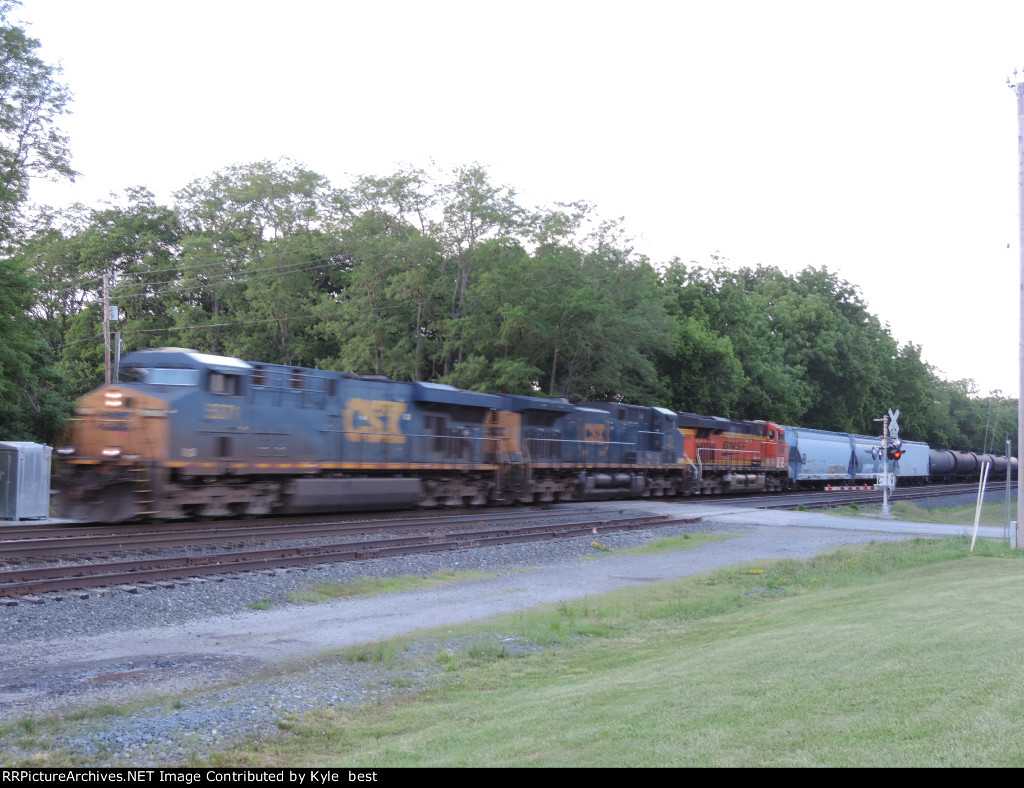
x: 373, y: 421
x: 596, y: 433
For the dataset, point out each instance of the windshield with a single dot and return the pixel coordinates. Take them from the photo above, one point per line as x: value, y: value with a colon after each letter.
x: 159, y: 376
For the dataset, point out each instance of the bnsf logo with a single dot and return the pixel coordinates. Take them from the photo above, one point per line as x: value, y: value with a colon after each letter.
x: 733, y: 444
x: 373, y: 421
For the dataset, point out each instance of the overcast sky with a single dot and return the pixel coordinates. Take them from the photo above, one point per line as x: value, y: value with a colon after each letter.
x: 877, y: 139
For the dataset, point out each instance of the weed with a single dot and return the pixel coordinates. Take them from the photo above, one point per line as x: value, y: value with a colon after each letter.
x: 376, y: 653
x: 369, y: 586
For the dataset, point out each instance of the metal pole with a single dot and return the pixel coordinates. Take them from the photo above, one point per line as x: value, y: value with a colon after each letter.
x: 1020, y: 243
x: 1009, y: 477
x: 885, y: 467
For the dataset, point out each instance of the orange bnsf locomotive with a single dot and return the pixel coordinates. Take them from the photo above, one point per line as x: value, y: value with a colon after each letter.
x: 736, y: 456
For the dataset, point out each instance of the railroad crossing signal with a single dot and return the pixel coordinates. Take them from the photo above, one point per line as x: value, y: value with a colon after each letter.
x: 893, y: 425
x: 891, y: 449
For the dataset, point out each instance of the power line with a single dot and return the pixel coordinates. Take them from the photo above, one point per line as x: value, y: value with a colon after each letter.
x: 185, y: 268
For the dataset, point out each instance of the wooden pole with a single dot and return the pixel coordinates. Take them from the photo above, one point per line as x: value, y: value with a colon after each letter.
x: 106, y: 327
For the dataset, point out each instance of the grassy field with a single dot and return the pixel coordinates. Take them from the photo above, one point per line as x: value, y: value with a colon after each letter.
x: 897, y: 654
x: 992, y: 514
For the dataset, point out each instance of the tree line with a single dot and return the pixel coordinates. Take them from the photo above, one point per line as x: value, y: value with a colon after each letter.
x: 421, y: 275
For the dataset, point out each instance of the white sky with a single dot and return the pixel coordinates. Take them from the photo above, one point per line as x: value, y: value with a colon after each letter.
x: 875, y: 138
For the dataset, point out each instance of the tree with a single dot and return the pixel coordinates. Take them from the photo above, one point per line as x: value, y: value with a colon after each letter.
x: 699, y: 365
x: 582, y: 323
x: 258, y: 251
x: 30, y: 409
x: 385, y: 320
x: 474, y: 211
x: 31, y: 145
x: 134, y: 242
x: 51, y: 251
x: 32, y: 100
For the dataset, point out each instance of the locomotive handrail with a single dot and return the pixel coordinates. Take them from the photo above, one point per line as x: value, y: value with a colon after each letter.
x: 584, y: 447
x: 415, y: 447
x: 716, y: 456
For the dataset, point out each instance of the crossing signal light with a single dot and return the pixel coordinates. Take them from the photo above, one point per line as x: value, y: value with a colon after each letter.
x: 895, y: 450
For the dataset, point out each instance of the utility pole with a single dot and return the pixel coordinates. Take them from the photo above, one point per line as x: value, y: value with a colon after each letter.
x: 106, y: 326
x: 1019, y: 90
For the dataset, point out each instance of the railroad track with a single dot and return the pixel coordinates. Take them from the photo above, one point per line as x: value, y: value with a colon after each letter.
x: 841, y: 497
x: 334, y: 544
x: 80, y: 557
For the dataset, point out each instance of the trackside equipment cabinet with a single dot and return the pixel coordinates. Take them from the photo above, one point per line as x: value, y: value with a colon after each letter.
x: 24, y: 480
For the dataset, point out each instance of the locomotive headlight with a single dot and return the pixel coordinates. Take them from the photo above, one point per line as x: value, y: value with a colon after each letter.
x: 65, y: 450
x: 111, y: 451
x: 113, y: 399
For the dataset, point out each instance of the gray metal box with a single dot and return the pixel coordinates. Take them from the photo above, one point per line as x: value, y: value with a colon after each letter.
x: 24, y: 480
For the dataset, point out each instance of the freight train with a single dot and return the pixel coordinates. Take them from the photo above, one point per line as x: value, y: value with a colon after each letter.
x: 190, y: 434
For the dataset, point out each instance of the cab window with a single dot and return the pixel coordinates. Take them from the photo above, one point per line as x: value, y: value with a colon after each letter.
x: 159, y: 376
x: 222, y: 383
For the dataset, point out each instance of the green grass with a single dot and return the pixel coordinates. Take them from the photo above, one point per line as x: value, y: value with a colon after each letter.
x: 372, y: 586
x: 991, y: 514
x: 669, y: 544
x: 897, y: 654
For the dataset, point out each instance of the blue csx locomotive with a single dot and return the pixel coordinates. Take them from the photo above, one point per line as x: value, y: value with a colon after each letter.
x: 183, y: 433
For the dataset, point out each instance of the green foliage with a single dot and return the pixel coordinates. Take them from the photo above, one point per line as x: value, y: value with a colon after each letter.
x: 377, y: 653
x: 30, y: 407
x: 804, y: 350
x: 419, y: 278
x: 370, y: 586
x: 32, y: 101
